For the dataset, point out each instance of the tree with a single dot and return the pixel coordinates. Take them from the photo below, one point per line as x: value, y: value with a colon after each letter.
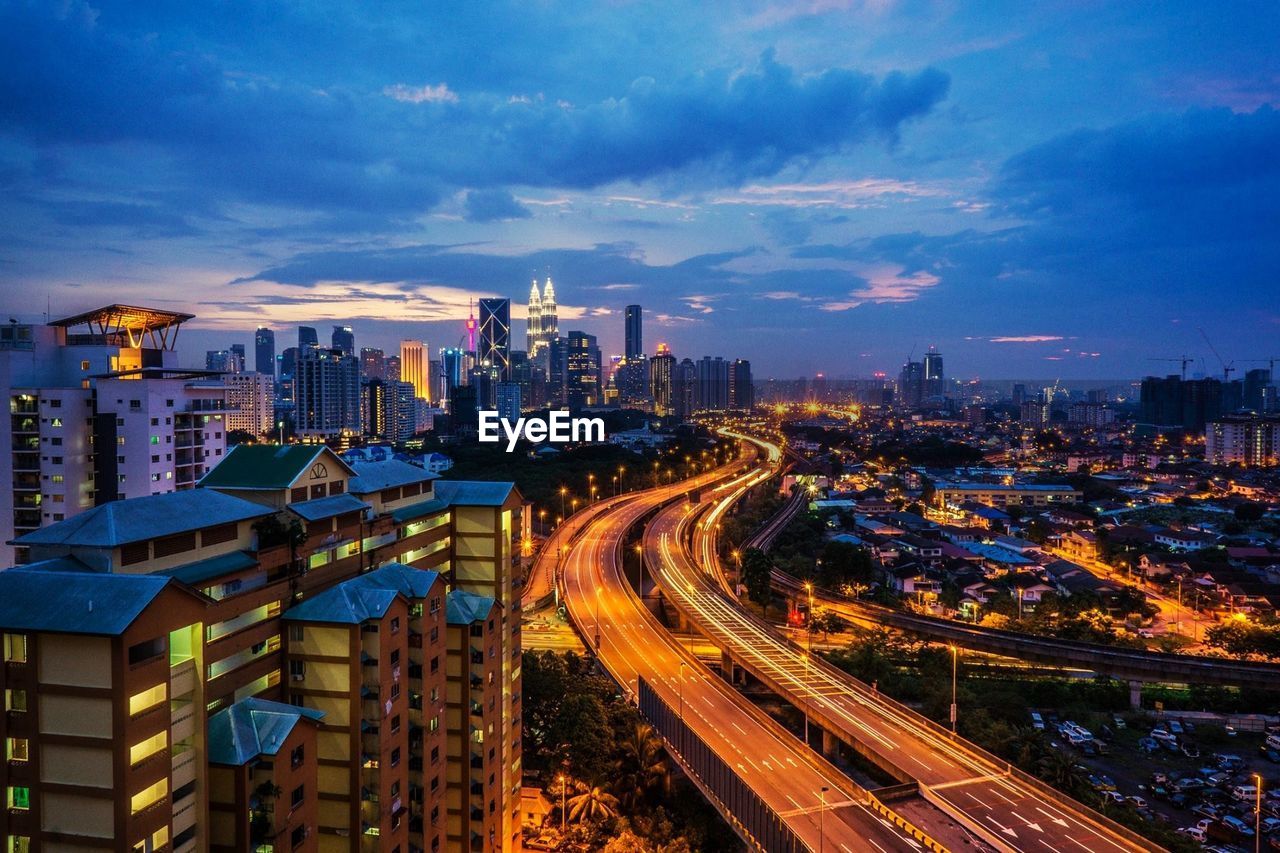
x: 826, y: 621
x: 1249, y: 511
x: 262, y: 807
x: 626, y: 842
x: 582, y: 731
x: 756, y: 577
x: 1061, y: 771
x: 593, y: 805
x: 641, y: 766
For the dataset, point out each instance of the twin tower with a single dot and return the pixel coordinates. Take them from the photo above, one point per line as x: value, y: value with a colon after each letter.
x: 544, y: 324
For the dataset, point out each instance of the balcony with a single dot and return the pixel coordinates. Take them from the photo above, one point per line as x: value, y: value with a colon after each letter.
x: 182, y: 678
x: 184, y: 816
x: 183, y: 715
x: 184, y: 766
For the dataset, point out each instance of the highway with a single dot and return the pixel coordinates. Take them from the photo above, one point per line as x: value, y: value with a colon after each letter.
x: 1006, y: 808
x: 632, y: 644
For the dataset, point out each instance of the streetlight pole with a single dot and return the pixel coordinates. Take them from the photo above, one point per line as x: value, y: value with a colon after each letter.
x: 597, y: 621
x: 563, y: 792
x: 681, y: 691
x: 955, y: 662
x: 1257, y: 813
x: 822, y: 807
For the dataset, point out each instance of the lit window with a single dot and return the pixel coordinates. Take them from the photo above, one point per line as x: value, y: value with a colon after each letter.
x: 57, y: 422
x: 155, y: 439
x: 15, y: 700
x: 18, y: 798
x: 149, y: 747
x: 16, y: 749
x: 149, y: 796
x: 149, y: 698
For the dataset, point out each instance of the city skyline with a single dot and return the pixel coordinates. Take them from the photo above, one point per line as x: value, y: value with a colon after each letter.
x: 1034, y: 191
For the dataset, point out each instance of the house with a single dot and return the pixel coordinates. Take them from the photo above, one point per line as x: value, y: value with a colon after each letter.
x: 1184, y: 540
x: 1079, y: 544
x: 914, y: 579
x: 926, y: 550
x: 1029, y: 588
x: 1067, y: 517
x: 1163, y: 566
x: 535, y: 808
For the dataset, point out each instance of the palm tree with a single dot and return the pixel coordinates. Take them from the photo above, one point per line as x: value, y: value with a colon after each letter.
x: 642, y: 766
x: 593, y: 804
x: 1026, y: 746
x: 1061, y: 771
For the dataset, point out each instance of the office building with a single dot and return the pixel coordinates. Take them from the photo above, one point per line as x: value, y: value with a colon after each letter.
x: 99, y: 411
x: 495, y: 337
x: 543, y: 325
x: 634, y: 345
x: 251, y: 402
x: 413, y: 367
x: 713, y: 385
x: 575, y: 379
x: 661, y: 378
x: 307, y: 337
x: 684, y: 389
x: 221, y: 657
x: 935, y: 381
x: 533, y: 322
x: 326, y: 394
x: 911, y: 384
x: 264, y: 351
x: 391, y: 369
x: 373, y: 363
x: 742, y: 395
x: 1253, y: 442
x: 451, y: 372
x: 1259, y: 393
x: 224, y: 360
x: 343, y: 338
x: 506, y: 400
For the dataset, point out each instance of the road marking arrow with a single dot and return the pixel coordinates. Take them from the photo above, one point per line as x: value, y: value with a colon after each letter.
x: 1059, y: 821
x: 1006, y: 830
x: 1034, y: 826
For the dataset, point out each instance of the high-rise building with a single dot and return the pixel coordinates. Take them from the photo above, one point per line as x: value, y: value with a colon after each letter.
x: 713, y: 384
x: 550, y: 313
x: 634, y: 345
x: 533, y: 323
x: 327, y: 394
x: 1172, y: 403
x: 1253, y: 442
x: 307, y: 337
x: 911, y: 384
x: 661, y: 378
x: 684, y: 389
x: 99, y: 412
x: 222, y: 360
x: 237, y: 357
x: 451, y: 371
x: 495, y: 336
x: 1259, y: 393
x: 577, y: 357
x: 373, y: 363
x: 506, y: 400
x: 354, y: 687
x: 391, y: 368
x: 935, y: 381
x: 344, y: 338
x: 264, y: 351
x: 251, y: 402
x: 742, y: 393
x: 413, y: 367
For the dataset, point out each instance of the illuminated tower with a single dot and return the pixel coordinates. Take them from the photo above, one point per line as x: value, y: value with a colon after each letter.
x: 495, y: 336
x: 550, y: 321
x: 533, y: 335
x: 471, y: 327
x: 413, y: 367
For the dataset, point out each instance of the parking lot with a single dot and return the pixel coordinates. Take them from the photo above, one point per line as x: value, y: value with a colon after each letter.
x: 1198, y: 778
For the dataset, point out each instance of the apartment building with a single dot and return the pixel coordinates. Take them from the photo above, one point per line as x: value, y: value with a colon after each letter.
x: 99, y: 411
x: 276, y: 555
x: 1005, y: 494
x: 251, y: 403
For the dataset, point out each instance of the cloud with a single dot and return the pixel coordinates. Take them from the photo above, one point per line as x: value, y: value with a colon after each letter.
x: 493, y: 206
x: 438, y: 94
x: 1024, y: 339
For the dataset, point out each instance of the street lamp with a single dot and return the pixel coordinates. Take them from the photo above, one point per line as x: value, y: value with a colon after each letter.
x: 563, y: 793
x: 563, y: 491
x: 640, y: 554
x: 1257, y: 813
x: 822, y: 807
x: 955, y: 663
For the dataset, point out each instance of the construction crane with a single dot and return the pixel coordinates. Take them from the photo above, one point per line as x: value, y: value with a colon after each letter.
x: 1227, y: 367
x: 1183, y: 360
x: 1269, y: 362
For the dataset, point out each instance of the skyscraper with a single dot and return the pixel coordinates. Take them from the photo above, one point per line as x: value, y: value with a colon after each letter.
x: 413, y: 367
x: 634, y: 342
x: 307, y: 337
x: 237, y: 357
x: 741, y: 390
x: 661, y: 376
x: 344, y: 339
x: 533, y: 325
x: 911, y: 383
x: 327, y: 393
x: 264, y: 351
x: 713, y: 384
x: 495, y: 336
x: 373, y: 363
x: 935, y: 383
x: 451, y: 359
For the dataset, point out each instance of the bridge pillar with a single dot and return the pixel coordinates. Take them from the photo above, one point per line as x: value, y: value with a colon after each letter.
x: 1135, y: 695
x: 727, y: 669
x: 830, y: 746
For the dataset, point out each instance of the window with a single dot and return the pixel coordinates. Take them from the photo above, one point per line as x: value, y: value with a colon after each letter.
x: 435, y: 664
x: 297, y: 669
x: 395, y: 757
x: 15, y: 700
x: 295, y: 633
x: 57, y: 422
x: 144, y: 749
x: 148, y: 699
x: 57, y: 478
x: 155, y: 422
x: 297, y: 756
x: 296, y: 495
x: 435, y: 754
x: 135, y: 405
x: 395, y: 657
x: 295, y: 799
x: 395, y: 691
x: 16, y: 749
x: 56, y: 441
x: 395, y: 790
x: 149, y: 796
x: 19, y: 844
x: 146, y: 651
x: 395, y: 724
x: 299, y: 836
x: 84, y: 365
x: 15, y: 648
x: 395, y: 624
x: 155, y: 439
x: 18, y: 798
x: 120, y: 440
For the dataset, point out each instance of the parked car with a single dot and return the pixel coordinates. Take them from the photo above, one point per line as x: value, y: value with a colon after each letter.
x: 1238, y: 826
x: 1179, y: 801
x: 1037, y: 721
x: 1118, y: 721
x: 1147, y: 744
x: 1270, y: 754
x: 1190, y: 783
x: 1112, y: 796
x: 1228, y: 761
x: 1163, y: 736
x: 1269, y: 825
x: 1206, y: 810
x: 1136, y: 801
x: 1244, y: 793
x: 1193, y: 832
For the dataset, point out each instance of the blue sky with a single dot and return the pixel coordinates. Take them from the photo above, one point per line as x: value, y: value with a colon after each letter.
x: 1052, y: 189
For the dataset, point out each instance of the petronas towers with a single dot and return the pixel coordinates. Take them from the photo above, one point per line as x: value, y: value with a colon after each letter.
x: 543, y: 324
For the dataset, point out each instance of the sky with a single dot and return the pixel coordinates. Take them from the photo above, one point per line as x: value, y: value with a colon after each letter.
x: 1052, y: 189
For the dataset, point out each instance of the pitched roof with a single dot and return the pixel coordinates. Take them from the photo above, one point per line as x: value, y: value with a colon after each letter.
x: 474, y: 492
x: 327, y: 507
x: 388, y: 474
x: 253, y: 727
x: 139, y: 519
x: 409, y: 513
x: 200, y: 571
x: 75, y: 602
x: 345, y: 604
x: 266, y: 466
x: 406, y: 580
x: 463, y: 608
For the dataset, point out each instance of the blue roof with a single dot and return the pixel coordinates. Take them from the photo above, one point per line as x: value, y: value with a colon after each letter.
x: 406, y: 580
x: 75, y: 602
x: 328, y: 507
x: 463, y: 608
x: 253, y: 727
x: 139, y: 519
x: 343, y: 604
x: 204, y: 570
x: 389, y: 474
x: 474, y: 492
x: 57, y: 564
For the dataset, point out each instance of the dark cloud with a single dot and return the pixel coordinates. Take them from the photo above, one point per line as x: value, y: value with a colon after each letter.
x: 493, y: 206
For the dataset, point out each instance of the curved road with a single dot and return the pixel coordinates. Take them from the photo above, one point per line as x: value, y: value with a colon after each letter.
x: 984, y: 794
x: 632, y: 644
